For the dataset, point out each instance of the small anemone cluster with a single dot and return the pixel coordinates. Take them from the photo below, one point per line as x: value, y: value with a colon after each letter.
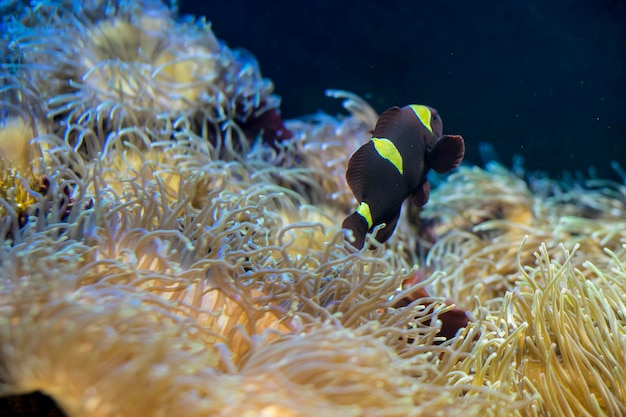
x: 130, y: 66
x: 543, y: 261
x: 170, y: 247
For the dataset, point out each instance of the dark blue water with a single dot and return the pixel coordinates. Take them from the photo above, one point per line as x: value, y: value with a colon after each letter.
x: 544, y: 79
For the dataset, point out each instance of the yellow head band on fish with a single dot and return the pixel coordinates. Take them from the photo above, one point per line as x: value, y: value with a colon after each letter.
x: 424, y: 114
x: 388, y: 150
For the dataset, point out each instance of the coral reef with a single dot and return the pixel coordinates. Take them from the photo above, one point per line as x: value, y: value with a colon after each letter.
x: 162, y: 255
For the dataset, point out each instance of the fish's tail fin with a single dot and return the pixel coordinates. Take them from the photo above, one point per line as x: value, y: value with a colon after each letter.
x: 385, y: 233
x: 358, y: 225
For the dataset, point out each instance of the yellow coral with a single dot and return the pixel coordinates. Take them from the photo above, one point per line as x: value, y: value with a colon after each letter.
x: 19, y: 193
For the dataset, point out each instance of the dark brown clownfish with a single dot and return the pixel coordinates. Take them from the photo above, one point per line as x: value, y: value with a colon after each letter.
x: 392, y: 167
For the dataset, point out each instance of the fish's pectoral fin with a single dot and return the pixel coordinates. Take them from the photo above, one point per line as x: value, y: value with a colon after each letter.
x: 359, y: 167
x: 385, y: 233
x: 420, y: 197
x: 358, y: 225
x: 388, y: 116
x: 447, y: 153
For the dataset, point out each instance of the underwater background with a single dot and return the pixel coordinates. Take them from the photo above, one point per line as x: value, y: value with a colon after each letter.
x: 545, y: 80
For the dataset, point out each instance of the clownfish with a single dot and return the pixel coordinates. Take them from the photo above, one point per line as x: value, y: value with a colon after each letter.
x: 392, y: 167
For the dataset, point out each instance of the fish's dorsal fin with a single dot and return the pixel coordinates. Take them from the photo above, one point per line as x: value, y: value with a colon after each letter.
x: 360, y: 169
x: 447, y: 153
x: 389, y: 116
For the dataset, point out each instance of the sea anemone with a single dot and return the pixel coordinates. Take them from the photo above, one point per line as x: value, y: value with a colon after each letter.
x: 103, y: 70
x: 576, y: 322
x: 16, y: 151
x: 22, y: 179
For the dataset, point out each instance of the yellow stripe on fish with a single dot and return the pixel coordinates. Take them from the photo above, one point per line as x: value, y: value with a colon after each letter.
x: 388, y: 150
x: 364, y: 210
x: 424, y: 114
